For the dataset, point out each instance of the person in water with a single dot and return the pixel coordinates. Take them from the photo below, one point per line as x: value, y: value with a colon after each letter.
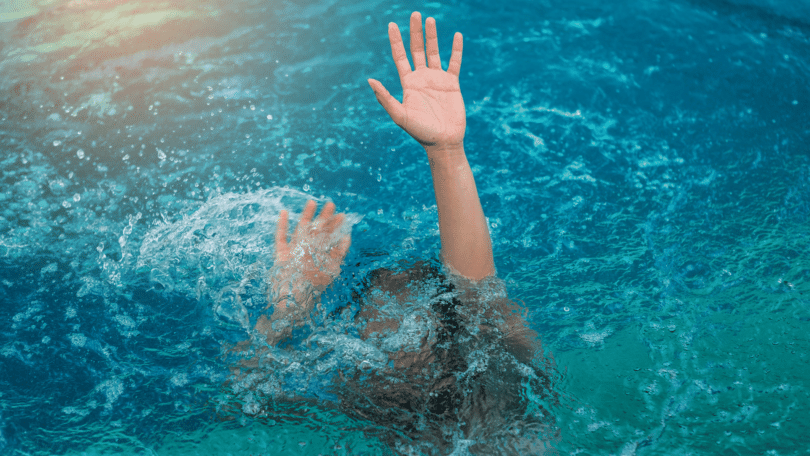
x: 469, y: 309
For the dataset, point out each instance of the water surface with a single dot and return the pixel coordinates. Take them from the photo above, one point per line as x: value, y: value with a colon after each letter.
x: 644, y: 167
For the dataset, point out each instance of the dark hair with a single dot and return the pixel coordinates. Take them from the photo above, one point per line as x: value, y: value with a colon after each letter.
x: 423, y: 407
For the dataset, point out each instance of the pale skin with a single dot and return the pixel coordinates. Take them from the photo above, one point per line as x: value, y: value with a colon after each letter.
x: 304, y: 265
x: 432, y: 112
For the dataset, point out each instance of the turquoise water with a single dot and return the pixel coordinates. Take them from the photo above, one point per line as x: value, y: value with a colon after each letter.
x: 644, y: 166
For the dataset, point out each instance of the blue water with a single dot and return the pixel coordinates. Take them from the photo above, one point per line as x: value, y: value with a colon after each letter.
x: 644, y: 166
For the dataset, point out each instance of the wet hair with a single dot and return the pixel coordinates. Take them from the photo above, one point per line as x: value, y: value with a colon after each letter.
x: 430, y: 408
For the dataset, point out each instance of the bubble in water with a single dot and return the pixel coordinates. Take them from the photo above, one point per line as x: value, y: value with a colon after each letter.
x: 56, y: 143
x: 77, y: 339
x: 66, y: 204
x: 179, y: 379
x: 80, y: 154
x: 251, y: 408
x: 252, y: 107
x: 269, y: 117
x: 306, y: 187
x: 77, y: 197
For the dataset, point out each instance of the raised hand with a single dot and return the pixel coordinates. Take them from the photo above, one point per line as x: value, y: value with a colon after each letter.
x: 432, y: 110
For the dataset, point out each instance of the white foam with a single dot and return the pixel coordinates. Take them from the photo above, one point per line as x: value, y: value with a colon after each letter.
x: 228, y: 240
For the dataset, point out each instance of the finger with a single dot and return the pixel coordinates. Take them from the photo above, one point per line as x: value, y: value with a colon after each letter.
x: 417, y: 45
x: 333, y: 223
x: 391, y: 105
x: 434, y: 61
x: 339, y: 251
x: 306, y: 217
x: 455, y: 58
x: 282, y: 248
x: 398, y: 51
x: 326, y: 213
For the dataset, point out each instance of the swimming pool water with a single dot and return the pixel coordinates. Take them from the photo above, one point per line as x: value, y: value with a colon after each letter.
x: 644, y: 166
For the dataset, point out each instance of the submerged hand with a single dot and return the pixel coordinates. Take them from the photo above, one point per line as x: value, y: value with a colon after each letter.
x: 432, y: 110
x: 305, y: 265
x: 311, y: 250
x: 311, y: 260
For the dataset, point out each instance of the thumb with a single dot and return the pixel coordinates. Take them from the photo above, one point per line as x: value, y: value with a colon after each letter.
x: 390, y: 104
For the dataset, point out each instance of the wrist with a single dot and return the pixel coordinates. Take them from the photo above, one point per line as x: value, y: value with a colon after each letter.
x: 444, y: 151
x: 290, y: 291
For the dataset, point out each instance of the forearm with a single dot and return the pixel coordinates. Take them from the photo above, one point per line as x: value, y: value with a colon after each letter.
x: 466, y: 246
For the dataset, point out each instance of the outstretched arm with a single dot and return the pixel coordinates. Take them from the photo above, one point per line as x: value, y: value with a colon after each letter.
x: 432, y: 112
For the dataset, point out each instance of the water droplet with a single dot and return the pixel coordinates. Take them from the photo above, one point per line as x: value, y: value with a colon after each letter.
x: 80, y: 154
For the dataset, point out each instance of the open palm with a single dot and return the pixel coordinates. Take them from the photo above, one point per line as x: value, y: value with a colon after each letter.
x: 312, y: 253
x: 432, y: 109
